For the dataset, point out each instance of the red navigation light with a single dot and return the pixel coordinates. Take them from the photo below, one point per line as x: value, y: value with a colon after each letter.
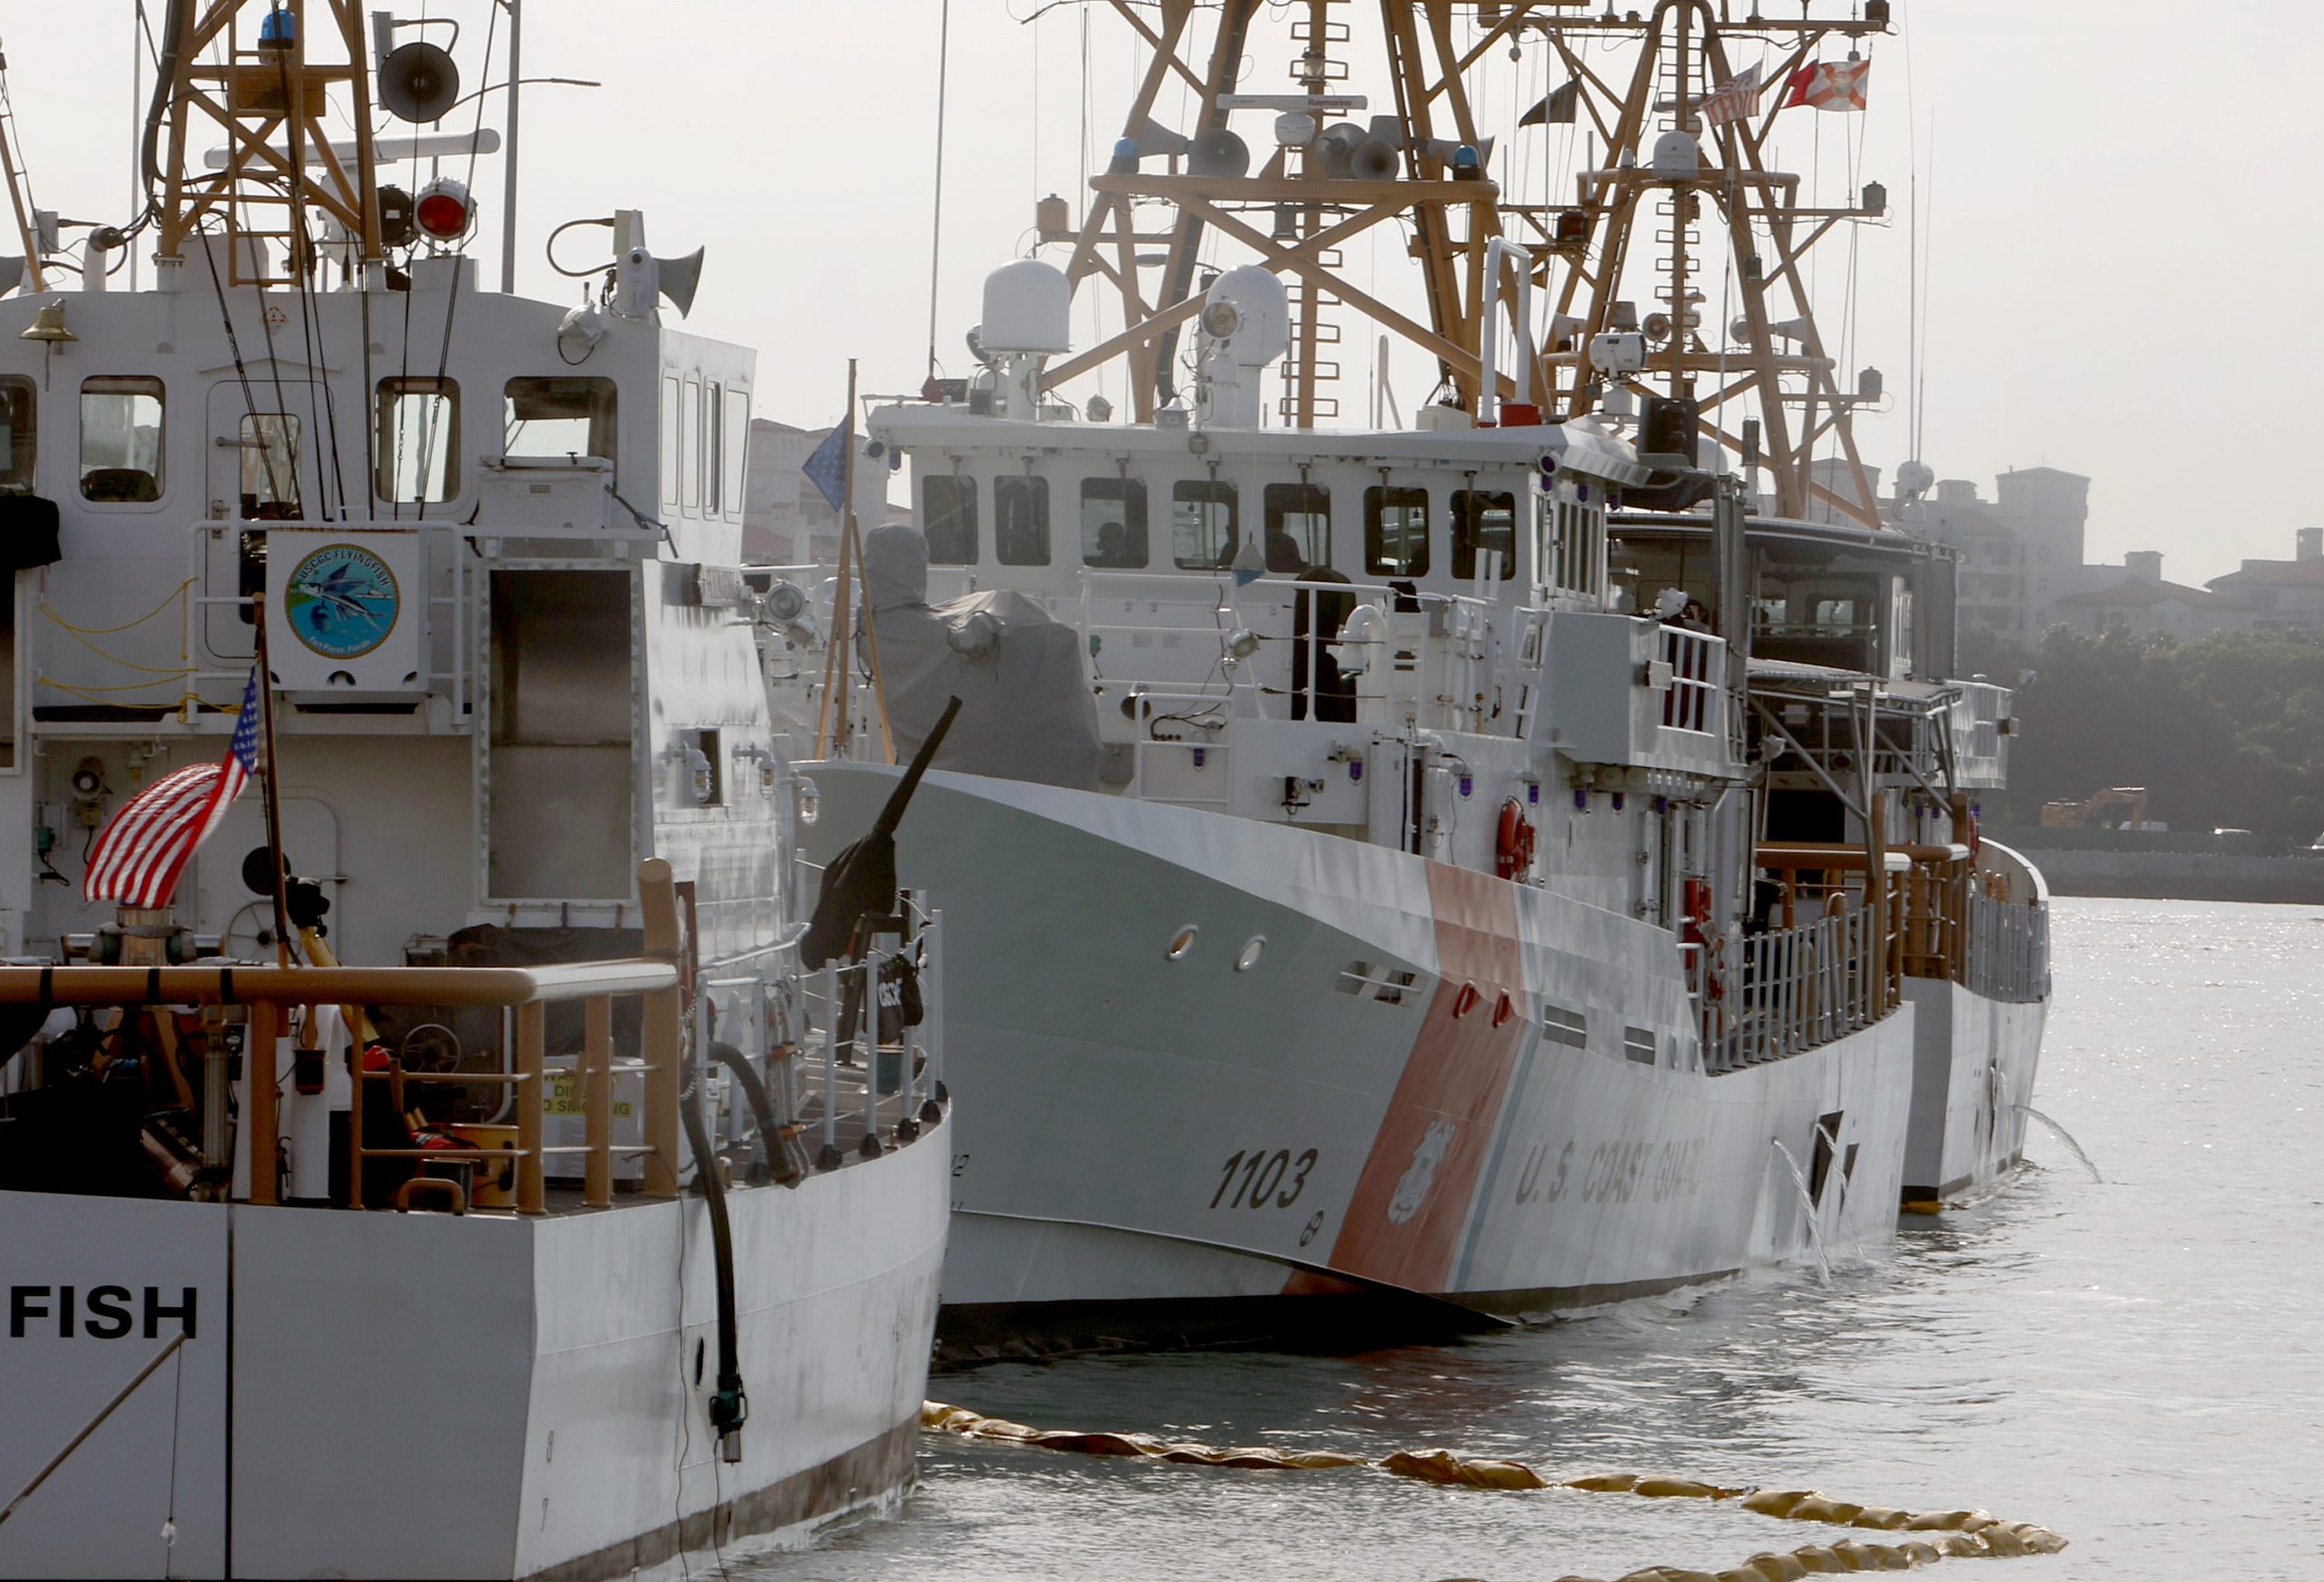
x: 443, y: 212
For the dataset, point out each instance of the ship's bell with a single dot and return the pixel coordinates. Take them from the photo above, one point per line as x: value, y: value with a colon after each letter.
x: 48, y: 325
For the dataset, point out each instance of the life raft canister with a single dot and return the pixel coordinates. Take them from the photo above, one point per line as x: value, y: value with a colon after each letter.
x: 1512, y: 850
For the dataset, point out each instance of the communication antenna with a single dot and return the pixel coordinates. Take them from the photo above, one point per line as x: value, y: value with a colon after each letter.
x: 1684, y: 190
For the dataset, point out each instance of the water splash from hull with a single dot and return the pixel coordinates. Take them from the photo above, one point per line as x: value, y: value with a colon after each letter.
x: 2066, y: 1137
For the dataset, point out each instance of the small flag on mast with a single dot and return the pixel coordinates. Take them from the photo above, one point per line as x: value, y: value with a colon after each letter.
x: 1557, y: 107
x: 827, y: 468
x: 1836, y: 86
x: 142, y: 853
x: 1734, y: 99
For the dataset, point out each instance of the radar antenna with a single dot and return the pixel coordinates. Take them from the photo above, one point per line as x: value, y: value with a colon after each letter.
x: 1663, y: 163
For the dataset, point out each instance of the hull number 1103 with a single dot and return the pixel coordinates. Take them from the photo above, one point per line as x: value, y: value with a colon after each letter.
x: 1257, y: 1179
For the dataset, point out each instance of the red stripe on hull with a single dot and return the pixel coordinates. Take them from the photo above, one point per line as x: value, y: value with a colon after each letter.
x: 1404, y: 1221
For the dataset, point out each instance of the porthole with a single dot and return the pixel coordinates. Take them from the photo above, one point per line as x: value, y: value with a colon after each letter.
x: 1182, y: 941
x: 1253, y: 948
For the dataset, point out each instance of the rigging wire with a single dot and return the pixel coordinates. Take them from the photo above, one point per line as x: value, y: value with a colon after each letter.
x: 936, y: 212
x: 304, y: 261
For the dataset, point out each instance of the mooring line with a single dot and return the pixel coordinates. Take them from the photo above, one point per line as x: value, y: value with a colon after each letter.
x: 1949, y: 1534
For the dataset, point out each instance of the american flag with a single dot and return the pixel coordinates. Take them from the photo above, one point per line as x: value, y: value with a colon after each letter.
x: 143, y: 851
x: 1734, y: 99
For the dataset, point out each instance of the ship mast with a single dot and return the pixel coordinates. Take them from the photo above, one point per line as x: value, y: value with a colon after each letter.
x: 1402, y: 146
x: 265, y: 73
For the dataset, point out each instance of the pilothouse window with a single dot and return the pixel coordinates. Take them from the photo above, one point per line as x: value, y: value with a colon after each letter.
x: 735, y: 456
x: 420, y: 439
x: 1483, y: 520
x: 269, y: 444
x: 1020, y: 520
x: 1299, y: 527
x: 948, y: 519
x: 1113, y: 524
x: 17, y: 432
x: 558, y: 417
x: 121, y: 439
x: 1395, y: 531
x: 1203, y: 532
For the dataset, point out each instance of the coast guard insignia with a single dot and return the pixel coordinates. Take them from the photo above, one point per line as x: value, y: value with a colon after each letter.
x: 1411, y: 1191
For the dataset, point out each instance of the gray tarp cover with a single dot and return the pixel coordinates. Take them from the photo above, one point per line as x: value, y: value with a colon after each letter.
x: 1026, y: 713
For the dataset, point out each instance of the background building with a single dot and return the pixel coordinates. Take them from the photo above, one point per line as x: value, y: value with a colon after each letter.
x: 2137, y: 599
x: 2021, y: 551
x: 786, y: 521
x: 2277, y: 594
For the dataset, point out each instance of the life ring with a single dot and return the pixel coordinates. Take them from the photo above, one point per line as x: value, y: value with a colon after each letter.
x: 1512, y: 850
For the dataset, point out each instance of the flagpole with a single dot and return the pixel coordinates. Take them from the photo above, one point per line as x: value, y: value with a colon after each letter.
x: 833, y: 741
x: 871, y: 632
x: 267, y: 794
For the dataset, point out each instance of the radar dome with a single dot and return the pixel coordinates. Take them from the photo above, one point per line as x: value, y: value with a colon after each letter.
x: 1027, y: 305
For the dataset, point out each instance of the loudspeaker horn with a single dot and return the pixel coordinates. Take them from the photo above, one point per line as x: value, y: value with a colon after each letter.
x: 1374, y: 161
x: 1657, y: 328
x: 1334, y: 150
x: 679, y: 278
x: 11, y: 274
x: 419, y: 83
x: 1156, y: 141
x: 1219, y: 152
x: 1443, y: 149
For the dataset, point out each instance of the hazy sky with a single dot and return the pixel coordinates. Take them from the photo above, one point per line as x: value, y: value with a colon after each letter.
x: 2119, y: 207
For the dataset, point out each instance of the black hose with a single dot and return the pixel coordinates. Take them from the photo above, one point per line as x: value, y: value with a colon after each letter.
x: 728, y: 1405
x: 177, y: 22
x: 761, y: 1108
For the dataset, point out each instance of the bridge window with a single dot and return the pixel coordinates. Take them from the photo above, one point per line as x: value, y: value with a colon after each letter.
x: 1020, y: 520
x: 1203, y: 532
x: 1482, y: 521
x: 420, y: 439
x: 734, y: 457
x: 1395, y: 531
x: 713, y: 454
x: 18, y: 412
x: 670, y: 447
x: 121, y: 439
x: 558, y: 417
x: 948, y: 519
x: 269, y: 486
x: 690, y: 447
x: 1299, y: 526
x: 1113, y: 524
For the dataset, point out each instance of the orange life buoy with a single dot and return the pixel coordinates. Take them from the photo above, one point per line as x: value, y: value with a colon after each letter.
x: 1513, y: 848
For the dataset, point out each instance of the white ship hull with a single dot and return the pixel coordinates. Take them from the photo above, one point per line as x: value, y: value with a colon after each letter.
x: 1440, y: 1150
x: 1974, y: 1061
x: 435, y: 1396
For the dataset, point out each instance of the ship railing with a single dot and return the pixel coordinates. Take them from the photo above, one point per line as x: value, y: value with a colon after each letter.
x: 1426, y: 670
x: 213, y: 545
x: 875, y: 1060
x: 269, y: 995
x: 1697, y: 699
x: 2007, y: 955
x: 1765, y: 997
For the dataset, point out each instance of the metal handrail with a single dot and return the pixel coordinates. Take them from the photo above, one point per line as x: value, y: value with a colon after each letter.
x: 266, y: 991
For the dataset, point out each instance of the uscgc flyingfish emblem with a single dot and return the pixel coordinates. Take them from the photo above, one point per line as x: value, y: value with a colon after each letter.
x: 1411, y: 1191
